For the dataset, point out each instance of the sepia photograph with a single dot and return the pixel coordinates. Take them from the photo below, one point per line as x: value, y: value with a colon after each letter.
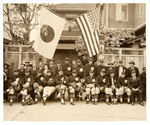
x: 74, y: 62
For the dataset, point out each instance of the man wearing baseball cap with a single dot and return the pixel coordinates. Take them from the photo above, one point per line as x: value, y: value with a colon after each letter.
x: 74, y: 83
x: 61, y: 85
x: 49, y: 86
x: 90, y: 82
x: 111, y: 88
x: 101, y: 83
x: 122, y: 87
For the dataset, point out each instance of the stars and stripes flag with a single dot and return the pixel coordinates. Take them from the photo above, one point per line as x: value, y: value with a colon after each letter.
x: 89, y: 24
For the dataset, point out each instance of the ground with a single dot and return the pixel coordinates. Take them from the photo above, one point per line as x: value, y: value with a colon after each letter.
x: 54, y: 111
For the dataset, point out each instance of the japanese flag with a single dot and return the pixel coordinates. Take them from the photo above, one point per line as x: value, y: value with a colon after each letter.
x: 47, y: 33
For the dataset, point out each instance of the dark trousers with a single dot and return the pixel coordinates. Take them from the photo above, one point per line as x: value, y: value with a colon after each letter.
x: 136, y: 94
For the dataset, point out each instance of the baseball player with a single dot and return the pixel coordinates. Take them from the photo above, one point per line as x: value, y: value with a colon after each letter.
x: 90, y: 82
x: 38, y: 83
x: 74, y: 85
x: 101, y: 83
x: 49, y: 86
x: 111, y: 88
x: 123, y: 87
x: 61, y: 85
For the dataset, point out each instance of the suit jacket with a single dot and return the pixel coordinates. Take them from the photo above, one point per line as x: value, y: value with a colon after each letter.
x: 117, y: 70
x: 129, y: 70
x: 109, y: 83
x: 135, y: 83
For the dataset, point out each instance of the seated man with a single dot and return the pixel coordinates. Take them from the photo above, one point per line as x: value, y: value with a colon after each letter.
x: 123, y: 87
x: 136, y: 88
x: 74, y: 85
x: 49, y: 86
x: 101, y: 83
x: 38, y: 83
x: 90, y: 82
x: 111, y: 88
x: 61, y: 85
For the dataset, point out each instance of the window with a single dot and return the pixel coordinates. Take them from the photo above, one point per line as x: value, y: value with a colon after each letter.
x: 141, y: 9
x: 121, y: 12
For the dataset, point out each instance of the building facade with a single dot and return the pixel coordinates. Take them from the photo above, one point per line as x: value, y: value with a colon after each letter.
x: 115, y: 16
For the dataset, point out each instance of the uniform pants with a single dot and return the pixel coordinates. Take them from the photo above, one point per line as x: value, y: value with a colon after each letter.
x: 110, y: 91
x: 90, y: 88
x: 48, y: 90
x: 120, y: 91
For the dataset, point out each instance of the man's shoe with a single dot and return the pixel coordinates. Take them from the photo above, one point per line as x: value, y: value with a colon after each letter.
x: 107, y: 103
x: 10, y: 104
x: 63, y: 103
x: 44, y: 102
x: 72, y: 103
x: 95, y: 103
x: 132, y: 103
x: 87, y: 102
x: 141, y: 103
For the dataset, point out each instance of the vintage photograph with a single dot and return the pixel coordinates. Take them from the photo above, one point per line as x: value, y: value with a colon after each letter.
x: 74, y: 62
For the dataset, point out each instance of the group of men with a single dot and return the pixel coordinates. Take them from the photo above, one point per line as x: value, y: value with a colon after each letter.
x: 88, y: 82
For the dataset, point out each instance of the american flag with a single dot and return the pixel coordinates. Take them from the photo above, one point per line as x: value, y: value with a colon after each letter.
x: 89, y: 24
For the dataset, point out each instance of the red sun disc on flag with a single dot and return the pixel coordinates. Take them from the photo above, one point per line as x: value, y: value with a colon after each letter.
x: 47, y: 33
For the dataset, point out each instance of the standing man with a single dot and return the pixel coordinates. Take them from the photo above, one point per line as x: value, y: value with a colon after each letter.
x: 22, y: 70
x: 143, y: 80
x: 80, y: 69
x: 109, y: 69
x: 131, y: 68
x: 120, y: 69
x: 99, y: 67
x: 90, y: 67
x: 58, y: 66
x: 52, y: 67
x: 67, y: 67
